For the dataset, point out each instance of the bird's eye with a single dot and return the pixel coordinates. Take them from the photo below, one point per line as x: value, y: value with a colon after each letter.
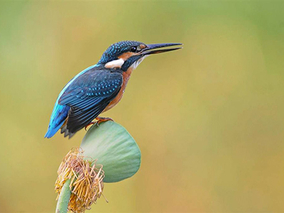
x: 133, y: 49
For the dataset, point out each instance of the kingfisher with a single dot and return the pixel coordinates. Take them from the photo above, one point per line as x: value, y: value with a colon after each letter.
x: 99, y: 87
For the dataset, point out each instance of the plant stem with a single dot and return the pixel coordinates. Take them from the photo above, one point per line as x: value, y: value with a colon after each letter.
x: 63, y: 200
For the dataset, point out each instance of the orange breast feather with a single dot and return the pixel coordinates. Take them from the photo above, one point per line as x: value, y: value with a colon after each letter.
x: 126, y: 76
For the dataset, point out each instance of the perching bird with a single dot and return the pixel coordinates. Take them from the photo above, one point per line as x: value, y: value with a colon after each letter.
x: 99, y: 87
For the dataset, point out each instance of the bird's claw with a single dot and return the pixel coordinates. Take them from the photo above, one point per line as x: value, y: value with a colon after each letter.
x: 102, y: 119
x: 89, y: 125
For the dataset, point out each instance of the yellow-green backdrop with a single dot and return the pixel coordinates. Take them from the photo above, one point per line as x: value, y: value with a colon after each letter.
x: 208, y: 118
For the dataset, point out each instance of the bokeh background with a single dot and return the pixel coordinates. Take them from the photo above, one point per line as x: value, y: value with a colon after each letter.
x: 208, y: 118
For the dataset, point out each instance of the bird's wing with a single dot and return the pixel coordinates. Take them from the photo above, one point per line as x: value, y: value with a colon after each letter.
x: 88, y: 96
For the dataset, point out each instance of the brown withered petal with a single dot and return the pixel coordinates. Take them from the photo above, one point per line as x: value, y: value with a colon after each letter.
x: 86, y: 180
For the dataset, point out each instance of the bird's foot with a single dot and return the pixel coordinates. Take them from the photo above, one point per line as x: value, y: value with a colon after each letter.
x: 89, y: 125
x: 102, y: 119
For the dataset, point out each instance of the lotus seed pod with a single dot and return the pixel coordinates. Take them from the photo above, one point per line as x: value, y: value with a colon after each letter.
x: 114, y: 148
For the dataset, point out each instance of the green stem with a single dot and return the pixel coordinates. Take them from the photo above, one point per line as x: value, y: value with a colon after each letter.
x: 64, y: 197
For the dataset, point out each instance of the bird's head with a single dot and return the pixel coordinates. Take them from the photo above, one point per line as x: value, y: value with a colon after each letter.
x: 125, y: 54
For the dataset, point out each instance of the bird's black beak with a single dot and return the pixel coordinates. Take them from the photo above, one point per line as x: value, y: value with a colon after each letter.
x: 156, y: 48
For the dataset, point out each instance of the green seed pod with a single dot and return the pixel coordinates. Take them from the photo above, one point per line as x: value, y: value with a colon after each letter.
x: 114, y: 148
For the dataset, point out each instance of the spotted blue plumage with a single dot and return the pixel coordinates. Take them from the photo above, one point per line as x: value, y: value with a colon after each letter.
x: 60, y: 112
x: 83, y: 99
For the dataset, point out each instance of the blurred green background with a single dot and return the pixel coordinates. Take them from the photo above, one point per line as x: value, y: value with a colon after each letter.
x: 208, y: 118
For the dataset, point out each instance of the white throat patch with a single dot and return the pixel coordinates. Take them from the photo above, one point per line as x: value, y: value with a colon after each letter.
x: 119, y: 62
x: 115, y: 63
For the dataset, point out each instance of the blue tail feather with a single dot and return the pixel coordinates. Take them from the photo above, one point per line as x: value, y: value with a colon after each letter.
x: 59, y: 115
